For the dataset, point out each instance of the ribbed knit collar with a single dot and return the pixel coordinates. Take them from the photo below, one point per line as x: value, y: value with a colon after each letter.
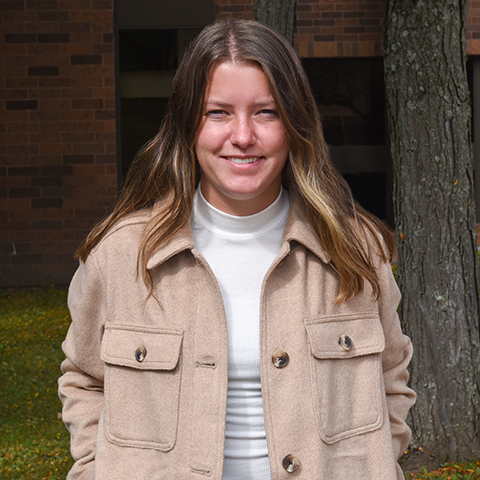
x: 221, y: 223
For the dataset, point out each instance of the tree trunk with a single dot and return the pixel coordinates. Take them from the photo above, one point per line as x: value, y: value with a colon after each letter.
x: 278, y: 14
x: 429, y: 117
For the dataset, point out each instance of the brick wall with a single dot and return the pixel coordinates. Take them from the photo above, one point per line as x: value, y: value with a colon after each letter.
x: 340, y: 28
x: 473, y: 28
x: 57, y: 134
x: 343, y: 28
x: 234, y: 8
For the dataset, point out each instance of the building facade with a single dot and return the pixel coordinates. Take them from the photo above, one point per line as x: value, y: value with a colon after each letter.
x: 77, y: 76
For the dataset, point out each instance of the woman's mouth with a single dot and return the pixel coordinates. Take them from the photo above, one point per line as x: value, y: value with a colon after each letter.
x: 243, y: 160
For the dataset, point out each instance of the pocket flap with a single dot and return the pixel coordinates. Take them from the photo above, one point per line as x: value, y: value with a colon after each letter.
x: 345, y: 336
x: 140, y: 347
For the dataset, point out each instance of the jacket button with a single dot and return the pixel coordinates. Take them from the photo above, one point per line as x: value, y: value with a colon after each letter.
x: 280, y: 359
x: 140, y: 354
x: 291, y: 463
x: 345, y: 342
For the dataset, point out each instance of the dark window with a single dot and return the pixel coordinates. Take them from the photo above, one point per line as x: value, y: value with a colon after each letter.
x: 350, y: 95
x: 148, y: 59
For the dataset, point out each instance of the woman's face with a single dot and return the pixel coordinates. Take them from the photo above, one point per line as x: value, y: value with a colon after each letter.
x: 241, y: 143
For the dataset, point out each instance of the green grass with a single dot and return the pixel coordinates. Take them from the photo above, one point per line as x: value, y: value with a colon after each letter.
x: 34, y: 443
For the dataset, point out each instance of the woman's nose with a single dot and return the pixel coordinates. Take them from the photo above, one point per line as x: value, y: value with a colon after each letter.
x: 242, y: 134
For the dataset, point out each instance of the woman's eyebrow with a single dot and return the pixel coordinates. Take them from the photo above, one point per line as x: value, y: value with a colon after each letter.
x: 222, y: 104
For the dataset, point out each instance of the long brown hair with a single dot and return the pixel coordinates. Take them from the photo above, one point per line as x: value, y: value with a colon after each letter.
x: 165, y: 168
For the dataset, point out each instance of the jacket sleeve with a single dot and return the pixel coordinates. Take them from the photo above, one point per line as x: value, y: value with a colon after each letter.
x: 81, y: 385
x: 396, y: 357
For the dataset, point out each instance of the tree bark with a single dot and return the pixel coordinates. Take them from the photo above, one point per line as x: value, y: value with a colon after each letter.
x: 429, y: 116
x: 278, y: 14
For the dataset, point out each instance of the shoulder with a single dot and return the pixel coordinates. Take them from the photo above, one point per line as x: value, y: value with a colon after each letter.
x: 123, y: 239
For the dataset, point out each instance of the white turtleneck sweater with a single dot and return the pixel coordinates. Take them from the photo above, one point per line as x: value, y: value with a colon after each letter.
x: 239, y: 251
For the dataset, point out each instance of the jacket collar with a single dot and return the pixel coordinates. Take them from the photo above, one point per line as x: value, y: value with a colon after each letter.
x: 297, y: 229
x: 182, y: 240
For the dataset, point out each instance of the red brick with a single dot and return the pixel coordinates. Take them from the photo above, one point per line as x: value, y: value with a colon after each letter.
x: 9, y: 204
x: 106, y: 202
x: 77, y: 181
x: 76, y: 93
x: 89, y: 81
x: 88, y: 16
x: 19, y: 60
x: 110, y: 148
x: 376, y: 14
x: 13, y: 138
x: 81, y: 223
x: 54, y: 148
x: 347, y: 22
x: 323, y: 22
x: 13, y: 94
x: 90, y: 213
x: 78, y: 71
x: 72, y: 5
x: 21, y: 82
x: 42, y: 116
x: 53, y: 16
x: 88, y: 126
x: 22, y: 127
x: 103, y: 70
x: 76, y: 202
x: 52, y: 137
x: 56, y: 126
x: 26, y: 149
x: 109, y: 126
x: 80, y: 137
x: 41, y: 27
x: 88, y: 148
x: 345, y: 7
x: 78, y: 115
x: 14, y: 48
x: 53, y: 82
x: 107, y: 180
x: 55, y: 104
x: 51, y: 247
x: 45, y: 93
x: 18, y: 183
x: 89, y: 170
x: 103, y: 5
x: 92, y: 38
x: 75, y: 27
x: 77, y: 49
x: 59, y: 235
x: 46, y: 160
x: 104, y: 114
x: 347, y: 37
x: 25, y: 236
x: 42, y: 5
x: 105, y: 137
x: 13, y: 72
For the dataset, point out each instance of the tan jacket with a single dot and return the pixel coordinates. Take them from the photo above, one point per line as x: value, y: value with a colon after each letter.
x: 145, y: 382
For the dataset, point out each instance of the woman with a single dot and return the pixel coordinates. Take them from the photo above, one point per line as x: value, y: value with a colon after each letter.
x: 235, y: 316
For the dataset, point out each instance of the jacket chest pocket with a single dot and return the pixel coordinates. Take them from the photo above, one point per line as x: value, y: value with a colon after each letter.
x: 346, y: 372
x: 142, y: 385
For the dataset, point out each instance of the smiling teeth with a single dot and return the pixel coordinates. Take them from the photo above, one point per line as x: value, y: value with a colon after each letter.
x: 243, y: 160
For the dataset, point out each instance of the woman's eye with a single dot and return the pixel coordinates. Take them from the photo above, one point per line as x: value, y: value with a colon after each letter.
x: 215, y: 113
x: 269, y: 113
